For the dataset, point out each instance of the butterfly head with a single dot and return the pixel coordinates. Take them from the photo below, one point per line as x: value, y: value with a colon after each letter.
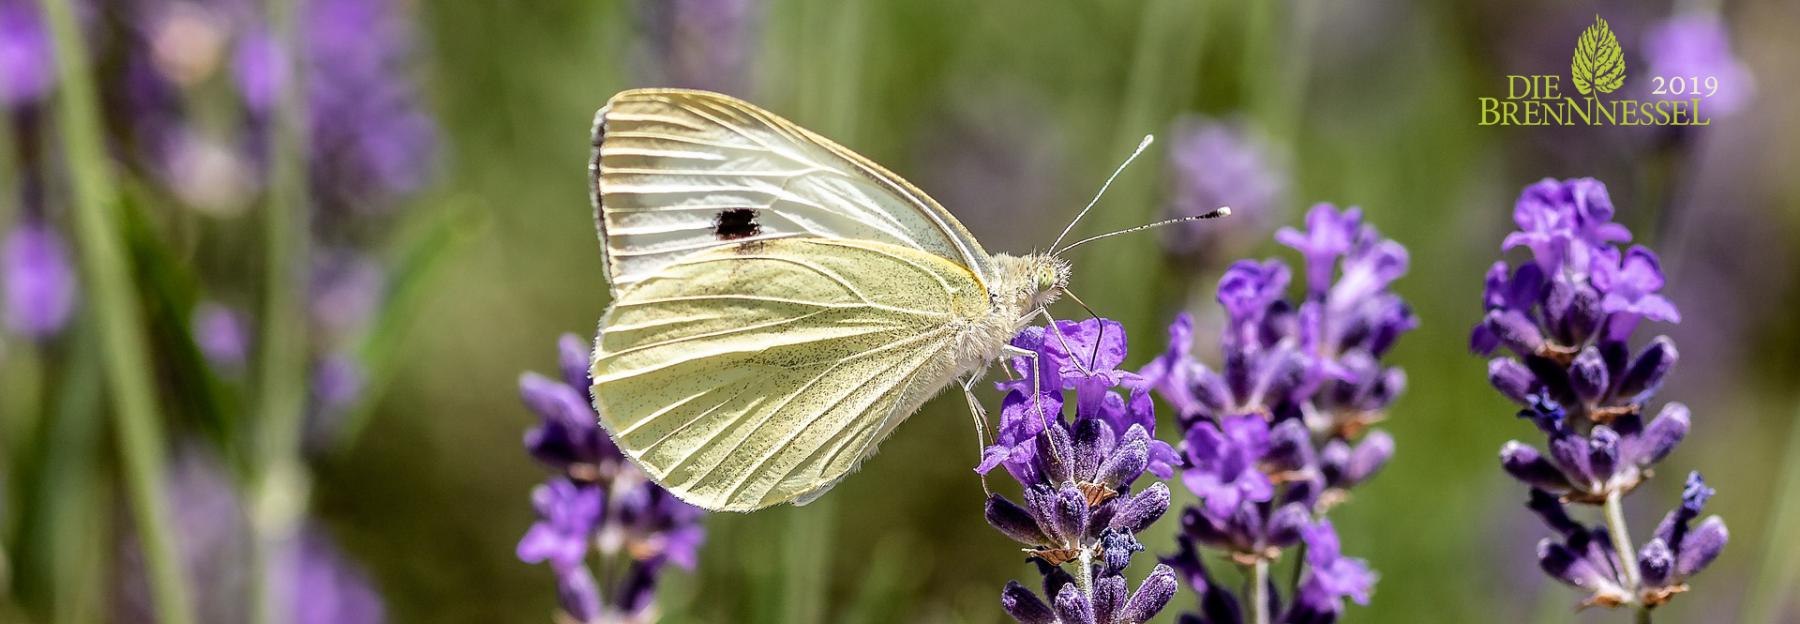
x: 1031, y: 281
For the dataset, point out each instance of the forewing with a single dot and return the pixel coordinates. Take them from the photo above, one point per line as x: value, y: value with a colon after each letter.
x: 751, y: 375
x: 677, y: 171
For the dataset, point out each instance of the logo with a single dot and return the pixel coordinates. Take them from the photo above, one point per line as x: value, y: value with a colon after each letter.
x: 1597, y: 69
x: 1599, y: 65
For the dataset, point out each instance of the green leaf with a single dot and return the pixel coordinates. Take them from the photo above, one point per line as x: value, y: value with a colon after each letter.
x: 1599, y: 64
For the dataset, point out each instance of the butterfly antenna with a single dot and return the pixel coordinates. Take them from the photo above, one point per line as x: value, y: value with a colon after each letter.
x: 1223, y: 211
x: 1142, y: 145
x: 1095, y: 355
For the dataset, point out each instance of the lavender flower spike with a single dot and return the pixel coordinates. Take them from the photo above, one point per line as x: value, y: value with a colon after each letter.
x: 1282, y: 430
x: 1078, y: 507
x: 1567, y: 318
x: 598, y: 504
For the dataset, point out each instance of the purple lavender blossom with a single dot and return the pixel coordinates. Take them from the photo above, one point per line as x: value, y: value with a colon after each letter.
x: 39, y: 281
x: 222, y: 335
x: 598, y: 504
x: 26, y: 69
x: 1077, y: 477
x: 1567, y: 318
x: 1214, y: 164
x: 1281, y: 432
x: 698, y: 44
x: 321, y: 586
x: 1697, y: 47
x: 315, y: 582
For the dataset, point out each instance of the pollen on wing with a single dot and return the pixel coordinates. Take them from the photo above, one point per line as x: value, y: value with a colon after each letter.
x: 736, y: 223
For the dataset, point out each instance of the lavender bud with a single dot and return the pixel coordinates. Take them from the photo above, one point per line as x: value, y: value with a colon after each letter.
x: 1290, y: 446
x: 1334, y: 460
x: 1663, y: 433
x: 1286, y: 523
x: 1124, y: 465
x: 1603, y: 453
x: 1091, y: 438
x: 1647, y: 372
x: 577, y: 593
x: 1116, y: 549
x: 1071, y: 514
x: 1655, y: 563
x: 1025, y: 606
x: 1145, y: 508
x: 1512, y: 379
x: 1152, y: 595
x: 1565, y: 565
x: 1570, y: 453
x: 1527, y: 465
x: 1547, y: 507
x: 1072, y: 607
x: 1110, y: 595
x: 1370, y: 455
x: 1701, y: 546
x: 1015, y: 522
x: 1587, y: 376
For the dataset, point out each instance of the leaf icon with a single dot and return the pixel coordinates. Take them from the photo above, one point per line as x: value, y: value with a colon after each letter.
x: 1599, y: 65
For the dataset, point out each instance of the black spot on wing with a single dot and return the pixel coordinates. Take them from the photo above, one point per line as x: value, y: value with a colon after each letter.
x: 736, y: 223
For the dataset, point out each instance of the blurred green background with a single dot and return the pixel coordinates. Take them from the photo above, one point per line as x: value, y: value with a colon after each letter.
x: 1011, y: 113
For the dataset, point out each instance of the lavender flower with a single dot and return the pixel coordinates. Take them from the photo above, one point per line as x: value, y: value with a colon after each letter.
x: 39, y: 281
x: 599, y: 502
x: 1214, y: 164
x: 316, y: 582
x: 222, y: 335
x: 1077, y: 477
x: 1567, y: 317
x: 26, y: 69
x: 1281, y: 432
x: 1697, y: 47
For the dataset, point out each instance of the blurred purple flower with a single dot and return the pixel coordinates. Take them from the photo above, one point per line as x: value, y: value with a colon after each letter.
x: 1697, y: 47
x: 26, y: 68
x: 222, y: 335
x: 347, y: 287
x: 39, y: 281
x: 599, y: 502
x: 1077, y: 476
x: 567, y: 514
x: 1330, y: 577
x: 1567, y: 318
x: 321, y: 586
x: 313, y: 581
x: 1215, y: 164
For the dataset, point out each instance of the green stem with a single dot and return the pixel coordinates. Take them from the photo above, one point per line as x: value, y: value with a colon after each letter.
x: 1259, y: 591
x: 278, y: 482
x: 1779, y: 570
x: 1621, y: 540
x: 107, y: 272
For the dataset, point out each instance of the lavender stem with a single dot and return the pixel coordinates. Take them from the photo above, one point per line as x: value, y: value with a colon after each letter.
x: 126, y: 355
x: 1621, y: 539
x: 275, y: 506
x: 1259, y: 591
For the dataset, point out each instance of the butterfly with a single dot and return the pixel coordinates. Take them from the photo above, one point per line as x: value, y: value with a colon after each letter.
x: 780, y: 303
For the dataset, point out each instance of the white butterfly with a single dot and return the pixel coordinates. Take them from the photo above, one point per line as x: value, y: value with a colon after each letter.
x: 779, y: 303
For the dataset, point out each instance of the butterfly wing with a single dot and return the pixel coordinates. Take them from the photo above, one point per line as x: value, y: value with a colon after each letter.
x: 762, y: 373
x: 677, y: 171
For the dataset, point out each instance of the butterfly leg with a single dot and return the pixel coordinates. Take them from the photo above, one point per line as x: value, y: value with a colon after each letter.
x: 981, y: 426
x: 1037, y: 391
